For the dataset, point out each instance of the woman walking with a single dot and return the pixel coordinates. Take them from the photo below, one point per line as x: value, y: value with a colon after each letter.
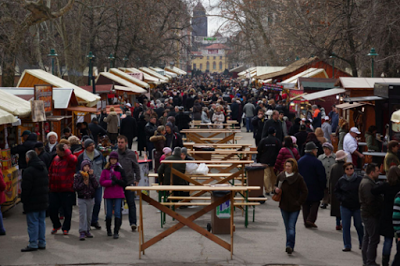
x: 346, y: 191
x: 158, y: 141
x: 337, y: 171
x: 389, y: 190
x: 288, y: 151
x: 294, y: 193
x: 112, y: 178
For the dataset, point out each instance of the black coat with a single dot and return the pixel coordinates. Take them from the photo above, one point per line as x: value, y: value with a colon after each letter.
x: 182, y: 120
x: 173, y: 140
x: 164, y: 172
x: 301, y: 137
x: 389, y: 193
x: 295, y: 128
x: 23, y: 148
x: 346, y: 191
x: 141, y: 133
x: 35, y: 186
x: 149, y: 129
x: 258, y: 125
x: 101, y: 120
x: 268, y: 150
x: 337, y: 172
x: 234, y: 110
x: 159, y: 111
x: 46, y: 158
x: 128, y: 127
x: 97, y: 131
x: 197, y: 109
x: 275, y: 124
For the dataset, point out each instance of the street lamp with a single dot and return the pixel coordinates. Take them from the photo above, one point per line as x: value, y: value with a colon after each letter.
x: 372, y: 54
x: 125, y: 59
x: 90, y: 56
x: 333, y: 56
x: 172, y: 63
x: 53, y: 55
x: 297, y: 58
x: 111, y: 58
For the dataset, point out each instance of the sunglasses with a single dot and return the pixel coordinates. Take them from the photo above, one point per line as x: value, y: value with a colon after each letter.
x: 349, y: 168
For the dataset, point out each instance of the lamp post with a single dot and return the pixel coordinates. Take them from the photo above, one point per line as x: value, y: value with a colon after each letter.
x: 333, y: 56
x: 297, y: 58
x: 53, y: 55
x: 90, y: 56
x: 372, y: 54
x: 125, y: 59
x: 111, y: 58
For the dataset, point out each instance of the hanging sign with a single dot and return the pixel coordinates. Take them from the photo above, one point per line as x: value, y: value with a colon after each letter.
x: 44, y: 93
x: 139, y: 76
x: 37, y: 110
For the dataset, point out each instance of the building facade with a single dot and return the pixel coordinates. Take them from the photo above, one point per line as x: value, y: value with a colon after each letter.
x: 212, y: 58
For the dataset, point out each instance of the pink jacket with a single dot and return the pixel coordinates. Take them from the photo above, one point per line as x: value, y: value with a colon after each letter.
x: 111, y: 191
x: 283, y: 155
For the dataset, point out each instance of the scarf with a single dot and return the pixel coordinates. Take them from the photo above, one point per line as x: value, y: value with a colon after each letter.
x: 350, y: 178
x: 52, y: 145
x: 90, y: 155
x: 287, y: 174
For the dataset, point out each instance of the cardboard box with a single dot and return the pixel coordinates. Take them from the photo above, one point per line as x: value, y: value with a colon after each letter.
x: 6, y: 164
x: 5, y: 154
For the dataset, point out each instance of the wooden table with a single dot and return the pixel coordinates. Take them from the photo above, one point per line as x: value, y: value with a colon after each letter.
x: 196, y: 135
x: 183, y: 221
x: 375, y: 154
x: 228, y: 154
x: 239, y: 147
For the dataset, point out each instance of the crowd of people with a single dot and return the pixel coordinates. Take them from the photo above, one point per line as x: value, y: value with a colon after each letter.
x: 298, y: 152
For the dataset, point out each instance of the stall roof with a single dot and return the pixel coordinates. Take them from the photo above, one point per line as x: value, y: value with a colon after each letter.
x: 107, y: 78
x: 82, y: 109
x: 309, y: 73
x: 322, y: 94
x: 14, y: 104
x: 168, y: 73
x: 346, y: 106
x: 6, y: 117
x: 364, y: 83
x: 320, y: 83
x: 263, y: 70
x: 365, y: 98
x: 244, y: 72
x: 129, y: 78
x: 153, y: 73
x: 106, y: 88
x: 395, y: 117
x: 134, y: 90
x: 238, y: 68
x: 290, y: 68
x: 176, y: 70
x: 148, y: 78
x: 32, y: 77
x: 61, y: 96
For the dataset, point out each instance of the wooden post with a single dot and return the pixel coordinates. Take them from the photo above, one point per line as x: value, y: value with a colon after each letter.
x: 141, y: 220
x: 232, y: 213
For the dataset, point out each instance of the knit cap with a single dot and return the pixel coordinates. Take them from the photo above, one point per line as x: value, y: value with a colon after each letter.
x: 86, y: 162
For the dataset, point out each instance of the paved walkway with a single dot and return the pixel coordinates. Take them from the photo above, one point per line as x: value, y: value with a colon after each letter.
x: 262, y: 243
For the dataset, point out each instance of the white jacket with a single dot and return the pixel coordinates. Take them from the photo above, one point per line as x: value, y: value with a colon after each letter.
x: 349, y: 145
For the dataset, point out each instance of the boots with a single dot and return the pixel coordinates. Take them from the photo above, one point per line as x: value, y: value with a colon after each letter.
x: 116, y: 227
x: 385, y: 260
x: 108, y: 226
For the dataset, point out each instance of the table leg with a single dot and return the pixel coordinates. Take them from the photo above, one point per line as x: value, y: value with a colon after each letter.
x: 232, y: 213
x: 141, y: 236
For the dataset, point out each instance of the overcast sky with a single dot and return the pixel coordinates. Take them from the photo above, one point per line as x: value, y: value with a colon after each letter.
x: 213, y: 22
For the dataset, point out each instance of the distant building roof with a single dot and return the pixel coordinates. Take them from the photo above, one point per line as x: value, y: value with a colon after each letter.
x: 217, y: 46
x: 290, y: 68
x: 199, y: 7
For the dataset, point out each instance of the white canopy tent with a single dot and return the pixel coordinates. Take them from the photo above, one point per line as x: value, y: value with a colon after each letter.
x: 153, y: 73
x: 147, y: 78
x: 14, y: 104
x: 309, y: 73
x: 122, y: 82
x: 129, y: 78
x: 322, y: 94
x: 176, y: 70
x: 7, y: 118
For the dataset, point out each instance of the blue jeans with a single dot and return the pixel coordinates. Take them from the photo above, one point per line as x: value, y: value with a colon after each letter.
x: 290, y: 220
x: 249, y: 125
x: 36, y: 228
x: 113, y: 205
x: 387, y: 246
x: 346, y: 223
x: 2, y: 230
x: 97, y: 204
x: 130, y: 200
x: 338, y: 220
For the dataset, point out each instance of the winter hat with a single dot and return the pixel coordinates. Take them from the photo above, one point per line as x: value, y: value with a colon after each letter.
x: 184, y: 150
x: 167, y: 150
x: 51, y: 133
x: 38, y: 145
x: 294, y: 139
x: 310, y: 146
x: 327, y: 145
x: 177, y: 151
x: 113, y: 155
x: 88, y: 142
x: 340, y: 155
x: 169, y: 124
x: 85, y: 137
x: 86, y: 162
x: 271, y: 130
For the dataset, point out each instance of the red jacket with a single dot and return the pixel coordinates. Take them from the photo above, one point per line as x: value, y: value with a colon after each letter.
x: 61, y: 173
x: 2, y: 188
x: 283, y: 155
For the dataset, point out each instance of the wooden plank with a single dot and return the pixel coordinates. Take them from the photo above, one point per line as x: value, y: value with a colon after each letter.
x: 206, y: 161
x: 186, y: 221
x: 195, y: 188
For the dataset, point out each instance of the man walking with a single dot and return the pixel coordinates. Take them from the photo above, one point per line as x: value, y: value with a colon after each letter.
x: 334, y: 118
x: 327, y: 129
x: 268, y: 150
x: 97, y: 161
x: 313, y: 172
x: 34, y: 196
x: 61, y: 181
x: 275, y: 123
x: 370, y: 212
x: 128, y: 161
x: 249, y: 110
x: 350, y: 145
x: 129, y: 128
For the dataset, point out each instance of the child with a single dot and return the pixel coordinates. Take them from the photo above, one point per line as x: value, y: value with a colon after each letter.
x: 85, y: 184
x: 167, y: 152
x: 112, y: 178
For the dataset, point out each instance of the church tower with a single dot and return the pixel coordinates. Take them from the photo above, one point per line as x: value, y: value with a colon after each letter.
x: 199, y: 21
